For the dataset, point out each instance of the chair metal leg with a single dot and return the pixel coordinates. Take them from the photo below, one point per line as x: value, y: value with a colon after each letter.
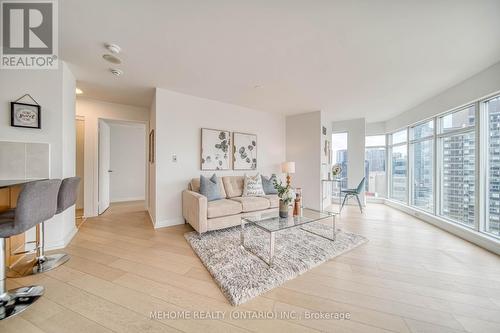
x: 359, y: 203
x: 46, y: 263
x: 41, y: 263
x: 14, y: 301
x: 343, y: 202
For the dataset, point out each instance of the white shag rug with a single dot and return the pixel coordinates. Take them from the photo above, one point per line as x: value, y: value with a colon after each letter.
x: 242, y: 276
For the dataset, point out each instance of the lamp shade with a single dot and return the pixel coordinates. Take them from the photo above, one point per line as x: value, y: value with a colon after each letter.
x: 288, y: 167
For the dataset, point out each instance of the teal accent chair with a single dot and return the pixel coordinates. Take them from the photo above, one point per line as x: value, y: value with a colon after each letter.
x: 354, y: 192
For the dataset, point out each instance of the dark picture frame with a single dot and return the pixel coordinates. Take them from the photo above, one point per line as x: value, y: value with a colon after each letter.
x: 22, y: 113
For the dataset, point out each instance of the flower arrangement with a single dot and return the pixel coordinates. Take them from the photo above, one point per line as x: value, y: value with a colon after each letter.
x: 285, y: 192
x: 336, y: 170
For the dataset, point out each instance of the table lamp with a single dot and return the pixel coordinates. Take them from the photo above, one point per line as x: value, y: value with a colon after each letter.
x: 288, y: 168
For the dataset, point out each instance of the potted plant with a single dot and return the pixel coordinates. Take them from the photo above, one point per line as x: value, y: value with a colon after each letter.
x: 286, y: 195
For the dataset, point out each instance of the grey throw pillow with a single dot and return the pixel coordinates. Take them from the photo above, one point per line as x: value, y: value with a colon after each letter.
x: 268, y: 184
x: 209, y: 187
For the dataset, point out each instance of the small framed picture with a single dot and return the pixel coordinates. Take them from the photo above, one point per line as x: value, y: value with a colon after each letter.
x: 25, y: 115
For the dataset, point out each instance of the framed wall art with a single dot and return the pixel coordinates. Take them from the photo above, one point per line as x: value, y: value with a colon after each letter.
x: 245, y: 151
x: 216, y: 149
x: 25, y: 115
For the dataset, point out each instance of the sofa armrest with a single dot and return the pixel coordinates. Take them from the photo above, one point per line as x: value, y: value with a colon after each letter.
x: 194, y: 210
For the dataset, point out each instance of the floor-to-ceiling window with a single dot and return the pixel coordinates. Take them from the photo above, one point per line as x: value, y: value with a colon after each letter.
x: 422, y: 160
x: 339, y: 152
x: 457, y: 161
x: 375, y: 155
x: 492, y: 108
x: 399, y: 165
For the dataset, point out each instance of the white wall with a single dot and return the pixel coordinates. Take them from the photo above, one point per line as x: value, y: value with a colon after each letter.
x: 128, y: 161
x: 93, y: 110
x: 54, y: 90
x: 179, y: 119
x: 303, y: 146
x: 356, y: 131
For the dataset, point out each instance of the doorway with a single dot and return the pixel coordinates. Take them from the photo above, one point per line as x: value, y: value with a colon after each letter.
x: 80, y: 167
x: 122, y: 162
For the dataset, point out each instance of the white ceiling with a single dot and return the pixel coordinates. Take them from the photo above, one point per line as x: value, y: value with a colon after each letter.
x: 372, y: 59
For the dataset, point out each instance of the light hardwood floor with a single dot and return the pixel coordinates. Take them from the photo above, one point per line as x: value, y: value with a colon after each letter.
x: 409, y: 277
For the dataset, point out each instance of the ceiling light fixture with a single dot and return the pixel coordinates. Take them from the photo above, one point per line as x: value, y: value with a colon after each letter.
x: 116, y: 71
x: 112, y: 59
x: 78, y: 91
x: 113, y: 48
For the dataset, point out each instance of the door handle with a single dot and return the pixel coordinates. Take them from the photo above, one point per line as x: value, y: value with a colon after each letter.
x: 110, y: 170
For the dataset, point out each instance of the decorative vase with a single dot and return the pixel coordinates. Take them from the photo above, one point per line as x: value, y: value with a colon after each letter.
x: 283, y: 209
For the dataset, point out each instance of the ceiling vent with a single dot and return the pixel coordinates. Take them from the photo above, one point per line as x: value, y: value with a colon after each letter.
x: 116, y: 71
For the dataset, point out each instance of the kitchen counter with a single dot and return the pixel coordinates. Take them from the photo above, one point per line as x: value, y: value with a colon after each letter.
x: 14, y: 182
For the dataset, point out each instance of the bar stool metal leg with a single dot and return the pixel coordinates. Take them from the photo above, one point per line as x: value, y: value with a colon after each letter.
x: 14, y: 301
x: 44, y: 262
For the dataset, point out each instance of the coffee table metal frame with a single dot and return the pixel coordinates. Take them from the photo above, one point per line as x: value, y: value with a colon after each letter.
x: 272, y: 234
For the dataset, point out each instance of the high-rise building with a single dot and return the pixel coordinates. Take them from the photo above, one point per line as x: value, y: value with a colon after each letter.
x: 493, y: 225
x: 458, y: 172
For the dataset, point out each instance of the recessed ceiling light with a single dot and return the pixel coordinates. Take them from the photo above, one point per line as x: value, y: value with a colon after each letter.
x: 113, y: 48
x: 78, y: 91
x: 112, y: 59
x: 116, y: 71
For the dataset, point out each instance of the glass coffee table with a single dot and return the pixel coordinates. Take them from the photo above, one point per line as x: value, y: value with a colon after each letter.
x: 272, y: 223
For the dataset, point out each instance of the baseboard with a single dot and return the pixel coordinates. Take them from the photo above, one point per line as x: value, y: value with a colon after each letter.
x: 472, y: 236
x: 169, y: 222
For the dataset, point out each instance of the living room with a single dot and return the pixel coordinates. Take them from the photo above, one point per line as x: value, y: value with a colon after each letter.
x: 325, y: 166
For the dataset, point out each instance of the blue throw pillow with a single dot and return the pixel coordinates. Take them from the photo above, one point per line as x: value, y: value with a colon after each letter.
x: 210, y: 187
x: 268, y: 184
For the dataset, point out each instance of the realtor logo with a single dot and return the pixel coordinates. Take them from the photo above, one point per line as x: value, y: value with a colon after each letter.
x: 29, y: 34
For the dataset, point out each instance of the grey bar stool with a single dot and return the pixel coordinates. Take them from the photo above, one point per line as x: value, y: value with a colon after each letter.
x: 36, y: 203
x: 66, y: 198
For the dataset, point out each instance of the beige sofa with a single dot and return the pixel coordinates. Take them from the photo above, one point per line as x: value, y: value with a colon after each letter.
x: 219, y: 214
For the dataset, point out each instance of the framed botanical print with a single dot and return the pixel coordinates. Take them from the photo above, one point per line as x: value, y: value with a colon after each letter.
x: 216, y: 149
x: 245, y: 151
x: 25, y: 115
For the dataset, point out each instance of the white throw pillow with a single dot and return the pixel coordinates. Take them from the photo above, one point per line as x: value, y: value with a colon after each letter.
x: 252, y: 186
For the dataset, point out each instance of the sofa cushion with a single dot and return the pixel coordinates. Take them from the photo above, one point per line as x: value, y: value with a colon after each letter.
x: 273, y: 200
x: 268, y: 184
x: 233, y: 186
x: 210, y: 187
x: 223, y: 207
x: 252, y: 186
x: 250, y: 204
x: 194, y: 186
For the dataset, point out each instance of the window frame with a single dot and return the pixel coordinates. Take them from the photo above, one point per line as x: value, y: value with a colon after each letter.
x: 390, y: 147
x: 386, y: 148
x: 485, y: 164
x: 440, y: 136
x: 411, y: 169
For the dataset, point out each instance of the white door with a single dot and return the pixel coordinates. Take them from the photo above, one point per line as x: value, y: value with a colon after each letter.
x: 104, y: 165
